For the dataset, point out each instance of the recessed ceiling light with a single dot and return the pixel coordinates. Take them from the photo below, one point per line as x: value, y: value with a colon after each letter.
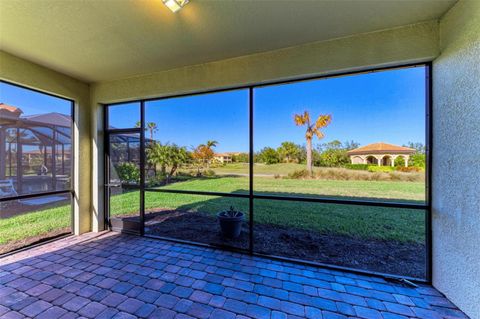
x: 175, y: 5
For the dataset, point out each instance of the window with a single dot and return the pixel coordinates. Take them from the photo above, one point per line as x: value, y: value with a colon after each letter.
x: 330, y: 170
x: 36, y: 164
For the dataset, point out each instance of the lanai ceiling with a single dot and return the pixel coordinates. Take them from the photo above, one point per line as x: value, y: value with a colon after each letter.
x: 98, y: 40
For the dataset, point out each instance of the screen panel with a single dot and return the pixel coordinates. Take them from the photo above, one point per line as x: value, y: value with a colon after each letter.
x: 198, y: 143
x: 380, y: 239
x: 358, y: 137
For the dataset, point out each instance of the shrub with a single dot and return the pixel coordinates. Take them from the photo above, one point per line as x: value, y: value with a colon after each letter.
x: 156, y: 180
x: 399, y: 161
x: 417, y: 160
x: 359, y: 167
x: 409, y: 169
x: 298, y: 174
x: 208, y: 173
x: 128, y: 172
x: 333, y: 173
x: 385, y: 169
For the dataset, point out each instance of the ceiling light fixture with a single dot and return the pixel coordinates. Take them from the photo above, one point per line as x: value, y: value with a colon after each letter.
x: 175, y: 5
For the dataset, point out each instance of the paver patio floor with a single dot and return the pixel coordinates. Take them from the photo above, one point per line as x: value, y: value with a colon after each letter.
x: 110, y: 275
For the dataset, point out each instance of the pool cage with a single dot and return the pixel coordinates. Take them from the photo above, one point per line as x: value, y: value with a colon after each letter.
x: 35, y: 152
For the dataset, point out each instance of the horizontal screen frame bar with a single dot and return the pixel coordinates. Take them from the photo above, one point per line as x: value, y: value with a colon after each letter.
x: 33, y: 195
x: 296, y: 199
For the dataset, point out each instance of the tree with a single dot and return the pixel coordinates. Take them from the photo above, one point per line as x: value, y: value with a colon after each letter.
x: 169, y: 156
x: 268, y: 156
x: 240, y: 158
x: 204, y: 152
x: 419, y: 158
x: 150, y: 126
x: 351, y: 145
x: 211, y: 144
x: 334, y: 153
x: 419, y: 147
x: 289, y: 152
x: 312, y: 129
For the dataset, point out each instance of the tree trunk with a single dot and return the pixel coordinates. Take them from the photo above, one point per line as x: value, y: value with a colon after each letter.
x: 309, y: 156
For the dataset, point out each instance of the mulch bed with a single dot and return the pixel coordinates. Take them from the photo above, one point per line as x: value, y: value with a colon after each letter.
x: 386, y: 256
x: 5, y: 248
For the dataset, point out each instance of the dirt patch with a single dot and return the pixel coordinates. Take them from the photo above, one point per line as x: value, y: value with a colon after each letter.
x: 5, y: 248
x: 192, y: 227
x: 385, y: 256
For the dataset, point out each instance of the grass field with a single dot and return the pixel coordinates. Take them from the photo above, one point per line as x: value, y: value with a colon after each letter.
x: 396, y: 191
x: 34, y: 224
x: 363, y: 221
x: 366, y: 222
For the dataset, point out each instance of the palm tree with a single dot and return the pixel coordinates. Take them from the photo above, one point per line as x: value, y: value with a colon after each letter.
x: 167, y: 155
x: 211, y: 144
x: 312, y: 129
x: 150, y: 126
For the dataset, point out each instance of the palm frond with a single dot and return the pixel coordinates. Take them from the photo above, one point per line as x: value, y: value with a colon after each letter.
x: 323, y: 121
x: 302, y: 119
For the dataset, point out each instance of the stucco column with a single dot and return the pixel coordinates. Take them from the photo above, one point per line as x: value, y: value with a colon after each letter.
x: 406, y: 160
x: 393, y: 157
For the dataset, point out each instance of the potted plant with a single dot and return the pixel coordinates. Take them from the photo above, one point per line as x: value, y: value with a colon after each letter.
x: 231, y: 222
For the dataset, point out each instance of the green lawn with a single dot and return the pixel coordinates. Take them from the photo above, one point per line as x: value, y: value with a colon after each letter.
x: 362, y: 221
x: 366, y: 222
x: 34, y: 224
x: 391, y: 190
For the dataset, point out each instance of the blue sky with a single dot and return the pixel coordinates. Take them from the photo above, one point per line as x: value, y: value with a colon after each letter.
x: 386, y: 106
x: 32, y: 102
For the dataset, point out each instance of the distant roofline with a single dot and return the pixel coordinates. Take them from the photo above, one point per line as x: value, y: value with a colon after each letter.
x: 381, y: 148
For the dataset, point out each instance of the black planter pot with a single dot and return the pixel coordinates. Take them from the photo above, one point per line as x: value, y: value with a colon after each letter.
x: 231, y: 226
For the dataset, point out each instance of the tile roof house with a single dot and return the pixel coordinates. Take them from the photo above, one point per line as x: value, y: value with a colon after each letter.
x: 381, y: 154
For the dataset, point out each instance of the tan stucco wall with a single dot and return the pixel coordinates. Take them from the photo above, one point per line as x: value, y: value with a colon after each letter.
x: 412, y: 43
x: 16, y: 70
x: 456, y: 154
x: 408, y: 44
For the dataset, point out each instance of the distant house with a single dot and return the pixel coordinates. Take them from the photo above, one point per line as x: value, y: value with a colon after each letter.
x: 381, y: 154
x: 225, y: 157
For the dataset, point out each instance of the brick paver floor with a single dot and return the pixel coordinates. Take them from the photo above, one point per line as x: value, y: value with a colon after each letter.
x: 111, y: 275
